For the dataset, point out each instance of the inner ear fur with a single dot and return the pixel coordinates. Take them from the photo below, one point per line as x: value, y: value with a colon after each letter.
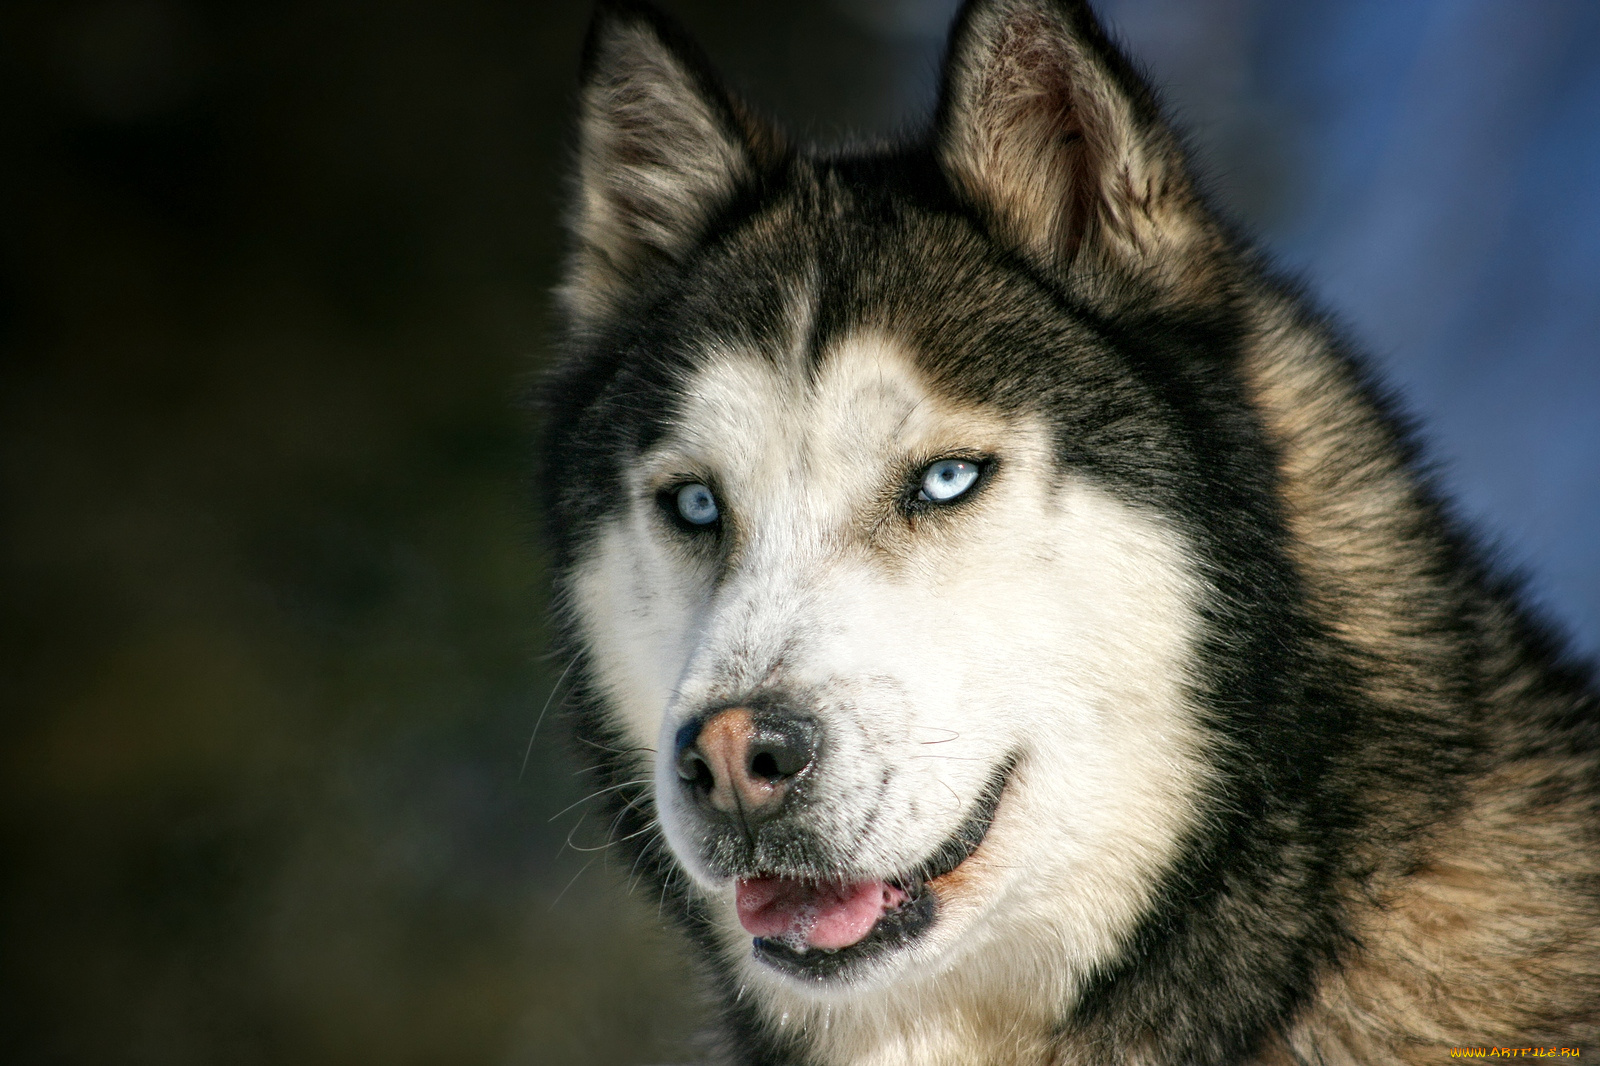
x: 661, y: 147
x: 1050, y: 131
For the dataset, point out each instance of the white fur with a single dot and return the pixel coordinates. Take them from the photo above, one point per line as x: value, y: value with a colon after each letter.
x: 1046, y: 618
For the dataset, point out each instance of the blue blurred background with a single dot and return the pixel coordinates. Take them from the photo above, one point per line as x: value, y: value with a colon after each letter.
x: 272, y: 281
x: 1430, y: 167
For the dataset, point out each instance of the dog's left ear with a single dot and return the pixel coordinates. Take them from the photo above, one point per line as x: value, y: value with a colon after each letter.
x: 1047, y: 127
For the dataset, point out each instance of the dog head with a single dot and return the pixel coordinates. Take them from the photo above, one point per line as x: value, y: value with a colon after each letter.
x: 899, y: 502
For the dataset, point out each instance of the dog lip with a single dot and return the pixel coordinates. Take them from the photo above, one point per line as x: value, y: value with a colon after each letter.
x: 913, y: 917
x: 973, y: 831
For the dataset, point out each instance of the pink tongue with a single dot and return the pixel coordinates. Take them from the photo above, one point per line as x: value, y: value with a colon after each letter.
x: 804, y: 914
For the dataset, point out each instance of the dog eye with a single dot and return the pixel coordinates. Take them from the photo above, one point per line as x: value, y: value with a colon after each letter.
x: 948, y: 478
x: 697, y: 505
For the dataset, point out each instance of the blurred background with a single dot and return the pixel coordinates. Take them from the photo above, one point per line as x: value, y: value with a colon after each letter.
x: 273, y: 280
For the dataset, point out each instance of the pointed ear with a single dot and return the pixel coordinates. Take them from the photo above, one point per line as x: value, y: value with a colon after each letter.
x: 661, y: 147
x: 1051, y: 132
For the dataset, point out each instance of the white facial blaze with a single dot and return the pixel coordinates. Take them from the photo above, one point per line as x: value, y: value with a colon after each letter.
x: 1040, y: 618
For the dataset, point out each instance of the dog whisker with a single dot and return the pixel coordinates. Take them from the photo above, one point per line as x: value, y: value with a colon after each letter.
x: 528, y: 752
x: 560, y: 895
x: 595, y: 795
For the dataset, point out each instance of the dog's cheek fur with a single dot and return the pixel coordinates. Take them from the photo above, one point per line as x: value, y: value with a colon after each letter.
x: 1112, y: 773
x: 635, y: 605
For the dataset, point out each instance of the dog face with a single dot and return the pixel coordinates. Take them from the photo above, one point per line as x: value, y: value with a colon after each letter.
x: 915, y: 687
x: 894, y: 657
x: 887, y: 539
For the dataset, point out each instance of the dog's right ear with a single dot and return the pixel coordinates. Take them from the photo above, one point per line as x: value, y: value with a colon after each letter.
x: 661, y: 146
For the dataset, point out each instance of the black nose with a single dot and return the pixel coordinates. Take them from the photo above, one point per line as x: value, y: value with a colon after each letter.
x: 739, y: 762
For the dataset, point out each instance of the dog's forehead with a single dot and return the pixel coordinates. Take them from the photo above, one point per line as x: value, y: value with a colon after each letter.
x: 835, y: 274
x: 859, y: 405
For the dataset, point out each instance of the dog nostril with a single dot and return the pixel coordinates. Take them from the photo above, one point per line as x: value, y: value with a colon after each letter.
x: 765, y: 764
x: 781, y: 757
x: 693, y: 770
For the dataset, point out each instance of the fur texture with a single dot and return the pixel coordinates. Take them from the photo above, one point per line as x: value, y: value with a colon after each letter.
x: 1195, y: 730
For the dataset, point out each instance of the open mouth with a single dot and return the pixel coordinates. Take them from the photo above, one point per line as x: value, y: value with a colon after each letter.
x: 819, y: 929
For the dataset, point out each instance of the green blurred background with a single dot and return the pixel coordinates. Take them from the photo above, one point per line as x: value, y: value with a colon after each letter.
x: 273, y: 285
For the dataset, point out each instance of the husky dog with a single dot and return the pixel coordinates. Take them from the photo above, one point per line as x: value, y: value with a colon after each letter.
x: 1012, y: 626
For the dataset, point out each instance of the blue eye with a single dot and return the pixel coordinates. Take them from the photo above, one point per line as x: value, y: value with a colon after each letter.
x: 697, y: 505
x: 947, y: 479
